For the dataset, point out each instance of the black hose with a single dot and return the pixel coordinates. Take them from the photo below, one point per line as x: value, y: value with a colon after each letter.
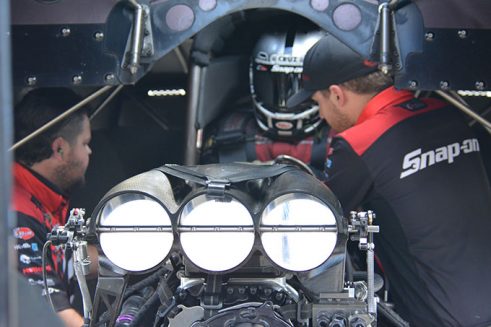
x: 45, y: 274
x: 166, y: 309
x: 153, y: 299
x: 148, y: 281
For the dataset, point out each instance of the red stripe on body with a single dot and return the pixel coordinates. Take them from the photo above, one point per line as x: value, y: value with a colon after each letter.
x: 364, y: 134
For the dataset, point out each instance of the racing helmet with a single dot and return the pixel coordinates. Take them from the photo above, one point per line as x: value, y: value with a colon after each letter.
x: 274, y: 76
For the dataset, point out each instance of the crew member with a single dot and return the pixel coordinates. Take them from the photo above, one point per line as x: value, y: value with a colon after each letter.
x: 417, y: 164
x: 45, y: 171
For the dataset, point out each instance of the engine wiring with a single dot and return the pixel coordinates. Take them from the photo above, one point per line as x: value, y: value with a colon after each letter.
x: 45, y: 274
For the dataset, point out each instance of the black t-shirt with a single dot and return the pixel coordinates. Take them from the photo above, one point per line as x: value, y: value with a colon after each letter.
x: 418, y: 166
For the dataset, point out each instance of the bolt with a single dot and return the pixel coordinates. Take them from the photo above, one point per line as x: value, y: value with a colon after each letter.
x: 462, y: 34
x: 182, y: 295
x: 384, y: 68
x: 77, y: 79
x: 444, y: 85
x: 98, y: 36
x: 133, y: 69
x: 65, y: 32
x: 357, y: 322
x: 479, y: 85
x: 230, y: 290
x: 147, y: 50
x: 337, y: 321
x: 241, y: 290
x: 323, y: 321
x: 268, y: 291
x: 253, y: 290
x: 413, y: 84
x: 279, y: 296
x: 109, y: 78
x: 429, y: 36
x: 31, y: 80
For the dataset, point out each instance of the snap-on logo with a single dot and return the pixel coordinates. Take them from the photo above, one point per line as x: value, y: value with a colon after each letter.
x: 416, y: 160
x: 24, y: 233
x: 286, y: 69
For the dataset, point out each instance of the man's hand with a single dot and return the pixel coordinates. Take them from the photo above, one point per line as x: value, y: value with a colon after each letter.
x: 71, y: 318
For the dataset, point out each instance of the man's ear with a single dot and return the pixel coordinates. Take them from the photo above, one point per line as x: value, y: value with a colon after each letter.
x: 338, y: 95
x: 59, y: 147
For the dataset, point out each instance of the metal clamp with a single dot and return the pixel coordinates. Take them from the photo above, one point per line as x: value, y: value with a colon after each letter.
x: 73, y: 236
x: 384, y: 12
x: 362, y: 222
x: 141, y: 45
x: 217, y: 187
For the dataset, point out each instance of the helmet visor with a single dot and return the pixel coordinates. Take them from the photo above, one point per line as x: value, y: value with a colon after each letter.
x: 275, y: 84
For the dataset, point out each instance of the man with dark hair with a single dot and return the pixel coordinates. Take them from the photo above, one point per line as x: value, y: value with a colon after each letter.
x: 417, y: 164
x: 45, y: 171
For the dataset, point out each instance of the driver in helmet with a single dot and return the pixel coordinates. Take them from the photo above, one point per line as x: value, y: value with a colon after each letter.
x: 266, y: 129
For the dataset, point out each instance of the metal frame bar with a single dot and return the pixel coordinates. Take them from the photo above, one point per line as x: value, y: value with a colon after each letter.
x: 182, y: 59
x: 61, y: 117
x: 191, y: 151
x: 136, y: 37
x: 149, y: 111
x: 465, y: 109
x: 106, y: 101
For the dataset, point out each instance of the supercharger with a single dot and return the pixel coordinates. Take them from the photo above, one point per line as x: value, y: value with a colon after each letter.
x: 229, y: 245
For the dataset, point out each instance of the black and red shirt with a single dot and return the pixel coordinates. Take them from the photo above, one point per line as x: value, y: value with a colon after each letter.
x: 417, y: 165
x: 39, y: 208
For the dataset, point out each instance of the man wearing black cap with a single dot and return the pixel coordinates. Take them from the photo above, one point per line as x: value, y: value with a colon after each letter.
x: 418, y: 166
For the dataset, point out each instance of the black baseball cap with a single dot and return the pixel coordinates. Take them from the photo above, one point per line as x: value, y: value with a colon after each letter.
x: 328, y: 62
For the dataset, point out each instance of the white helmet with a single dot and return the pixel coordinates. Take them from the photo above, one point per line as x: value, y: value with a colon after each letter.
x: 274, y: 76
